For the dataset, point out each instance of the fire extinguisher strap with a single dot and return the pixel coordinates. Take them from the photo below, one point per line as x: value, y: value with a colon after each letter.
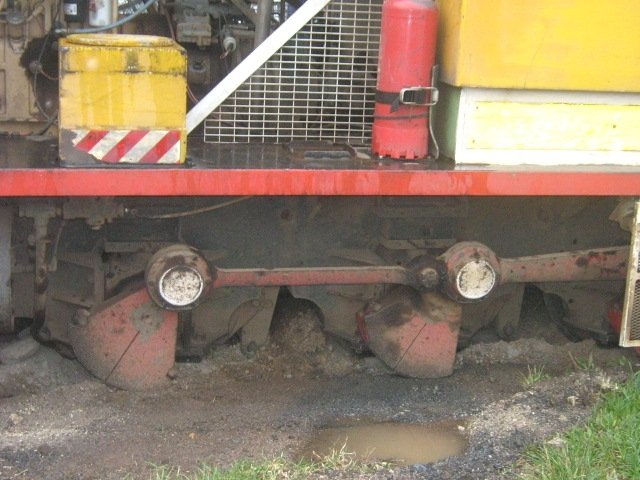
x: 389, y: 98
x: 424, y: 115
x: 423, y: 96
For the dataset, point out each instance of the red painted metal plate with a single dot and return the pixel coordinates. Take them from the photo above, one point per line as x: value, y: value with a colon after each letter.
x: 415, y: 336
x: 178, y: 182
x: 127, y: 342
x: 256, y: 169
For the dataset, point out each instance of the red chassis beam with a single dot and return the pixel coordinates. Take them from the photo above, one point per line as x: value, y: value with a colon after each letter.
x: 54, y: 182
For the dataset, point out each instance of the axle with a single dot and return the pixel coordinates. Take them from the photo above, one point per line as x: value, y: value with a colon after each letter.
x: 179, y: 278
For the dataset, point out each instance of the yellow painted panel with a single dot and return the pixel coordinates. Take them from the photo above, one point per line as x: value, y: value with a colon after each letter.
x: 78, y: 58
x: 552, y: 126
x: 93, y: 100
x: 129, y: 82
x: 526, y: 44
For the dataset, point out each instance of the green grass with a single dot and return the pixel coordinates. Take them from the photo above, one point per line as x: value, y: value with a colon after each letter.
x: 586, y: 364
x: 534, y: 375
x: 278, y: 468
x: 606, y: 448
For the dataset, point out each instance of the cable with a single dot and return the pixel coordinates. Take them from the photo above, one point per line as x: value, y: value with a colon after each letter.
x: 435, y: 73
x: 49, y: 124
x: 34, y: 85
x: 189, y: 212
x: 193, y: 98
x: 45, y: 74
x: 122, y: 21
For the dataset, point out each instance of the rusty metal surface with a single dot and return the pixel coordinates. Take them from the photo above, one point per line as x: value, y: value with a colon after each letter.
x: 461, y: 254
x: 424, y: 273
x: 128, y: 342
x: 415, y: 335
x: 171, y: 257
x: 582, y: 265
x: 573, y: 266
x: 41, y: 215
x: 314, y: 276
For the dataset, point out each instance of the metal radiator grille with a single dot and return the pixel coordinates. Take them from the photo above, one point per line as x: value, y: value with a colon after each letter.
x: 634, y: 324
x: 319, y: 86
x: 630, y: 334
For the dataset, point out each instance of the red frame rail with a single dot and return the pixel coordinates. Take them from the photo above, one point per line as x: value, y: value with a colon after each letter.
x: 53, y: 182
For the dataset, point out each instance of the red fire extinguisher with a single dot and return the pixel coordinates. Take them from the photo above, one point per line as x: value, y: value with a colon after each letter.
x: 404, y: 90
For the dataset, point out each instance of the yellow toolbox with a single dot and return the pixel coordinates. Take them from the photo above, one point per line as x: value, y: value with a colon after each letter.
x: 527, y: 44
x: 122, y: 100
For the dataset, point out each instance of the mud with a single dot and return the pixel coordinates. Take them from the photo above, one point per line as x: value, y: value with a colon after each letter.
x: 397, y: 443
x: 56, y: 422
x: 534, y: 351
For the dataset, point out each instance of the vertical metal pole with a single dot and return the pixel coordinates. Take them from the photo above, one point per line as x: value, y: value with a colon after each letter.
x: 6, y: 314
x: 40, y: 232
x: 41, y: 214
x: 263, y: 22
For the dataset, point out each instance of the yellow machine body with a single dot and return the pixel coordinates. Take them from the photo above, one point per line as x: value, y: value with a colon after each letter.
x: 557, y: 45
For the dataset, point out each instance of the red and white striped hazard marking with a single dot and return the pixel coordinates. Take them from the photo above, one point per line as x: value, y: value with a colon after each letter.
x: 130, y: 146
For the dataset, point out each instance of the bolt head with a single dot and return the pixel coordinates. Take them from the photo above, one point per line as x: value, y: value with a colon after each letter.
x: 80, y: 318
x: 429, y: 277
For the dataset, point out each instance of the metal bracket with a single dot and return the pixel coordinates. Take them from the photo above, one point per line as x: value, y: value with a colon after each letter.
x: 423, y: 96
x: 435, y: 151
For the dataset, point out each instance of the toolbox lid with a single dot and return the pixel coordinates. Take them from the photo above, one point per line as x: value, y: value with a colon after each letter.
x: 117, y: 40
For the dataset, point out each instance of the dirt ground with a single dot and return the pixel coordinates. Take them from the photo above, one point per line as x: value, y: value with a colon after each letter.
x: 57, y: 422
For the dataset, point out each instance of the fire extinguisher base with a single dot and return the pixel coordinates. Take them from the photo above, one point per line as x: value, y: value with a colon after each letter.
x: 400, y: 141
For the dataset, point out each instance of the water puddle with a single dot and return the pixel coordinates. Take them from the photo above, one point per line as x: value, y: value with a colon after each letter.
x: 403, y: 444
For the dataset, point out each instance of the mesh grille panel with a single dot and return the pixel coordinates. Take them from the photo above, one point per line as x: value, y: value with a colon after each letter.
x: 319, y: 86
x: 630, y: 335
x: 634, y: 324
